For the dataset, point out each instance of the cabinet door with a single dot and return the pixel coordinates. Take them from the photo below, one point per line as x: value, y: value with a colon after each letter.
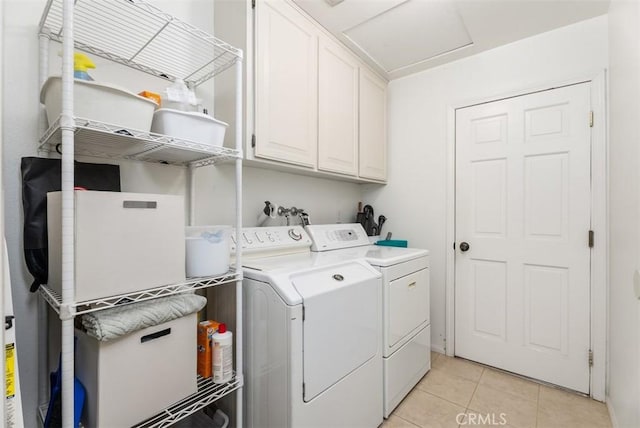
x: 286, y: 85
x: 373, y: 126
x: 338, y: 109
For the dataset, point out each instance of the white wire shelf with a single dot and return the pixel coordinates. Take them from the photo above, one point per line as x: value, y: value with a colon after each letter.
x: 139, y: 35
x: 103, y: 140
x: 208, y: 392
x: 78, y: 308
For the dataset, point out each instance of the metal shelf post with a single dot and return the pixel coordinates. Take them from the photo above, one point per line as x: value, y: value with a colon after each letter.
x: 239, y: 143
x: 68, y: 226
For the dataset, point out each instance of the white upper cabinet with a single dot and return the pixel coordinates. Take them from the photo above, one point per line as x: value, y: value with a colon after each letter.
x: 373, y: 126
x: 338, y: 109
x: 287, y: 92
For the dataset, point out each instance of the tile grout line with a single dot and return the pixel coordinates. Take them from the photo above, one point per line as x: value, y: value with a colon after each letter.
x: 440, y: 398
x: 406, y: 420
x: 474, y: 391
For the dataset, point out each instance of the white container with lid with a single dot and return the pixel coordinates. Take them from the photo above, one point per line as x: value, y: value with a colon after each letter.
x: 100, y: 102
x: 188, y: 125
x: 207, y: 250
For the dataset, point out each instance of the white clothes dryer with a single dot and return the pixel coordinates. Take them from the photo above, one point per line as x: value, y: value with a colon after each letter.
x: 406, y: 330
x: 312, y: 334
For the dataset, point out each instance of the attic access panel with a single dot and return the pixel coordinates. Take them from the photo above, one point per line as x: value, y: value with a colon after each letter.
x: 412, y: 32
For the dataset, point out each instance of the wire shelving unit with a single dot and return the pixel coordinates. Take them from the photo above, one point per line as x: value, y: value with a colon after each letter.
x: 136, y: 34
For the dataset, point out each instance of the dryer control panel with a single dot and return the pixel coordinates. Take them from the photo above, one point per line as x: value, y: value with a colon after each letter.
x: 272, y: 240
x: 337, y: 236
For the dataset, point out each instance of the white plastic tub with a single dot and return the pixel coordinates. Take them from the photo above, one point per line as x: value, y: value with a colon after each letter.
x: 207, y: 250
x: 99, y: 102
x: 192, y: 126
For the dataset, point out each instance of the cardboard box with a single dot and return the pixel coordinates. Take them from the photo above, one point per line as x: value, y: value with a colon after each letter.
x: 124, y: 242
x: 206, y: 329
x: 135, y: 377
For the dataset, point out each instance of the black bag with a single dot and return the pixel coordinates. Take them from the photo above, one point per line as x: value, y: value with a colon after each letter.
x: 42, y: 175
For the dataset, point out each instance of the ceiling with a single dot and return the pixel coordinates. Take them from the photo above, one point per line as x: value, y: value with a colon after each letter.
x: 400, y: 37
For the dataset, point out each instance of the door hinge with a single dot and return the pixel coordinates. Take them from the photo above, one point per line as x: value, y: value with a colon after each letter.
x: 454, y: 245
x: 591, y: 238
x: 303, y: 313
x: 253, y: 4
x: 590, y: 358
x: 253, y: 140
x: 591, y: 119
x: 304, y: 389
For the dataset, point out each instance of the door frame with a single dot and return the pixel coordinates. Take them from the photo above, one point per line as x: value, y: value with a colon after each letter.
x: 599, y: 219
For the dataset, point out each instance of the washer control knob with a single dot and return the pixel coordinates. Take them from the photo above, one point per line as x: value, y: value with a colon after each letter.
x: 296, y: 236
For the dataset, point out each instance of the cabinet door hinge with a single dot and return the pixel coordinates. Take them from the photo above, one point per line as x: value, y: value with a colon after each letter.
x: 591, y: 239
x: 303, y: 313
x: 253, y: 4
x: 253, y: 140
x: 591, y: 119
x: 590, y: 358
x: 304, y: 389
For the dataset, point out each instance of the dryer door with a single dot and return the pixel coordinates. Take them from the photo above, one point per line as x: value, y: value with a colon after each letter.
x: 342, y: 325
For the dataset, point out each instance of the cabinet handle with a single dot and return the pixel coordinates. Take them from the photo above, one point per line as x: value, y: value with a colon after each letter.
x: 156, y: 335
x: 140, y: 204
x: 412, y: 284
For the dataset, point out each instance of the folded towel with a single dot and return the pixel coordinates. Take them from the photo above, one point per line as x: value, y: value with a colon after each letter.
x: 116, y: 322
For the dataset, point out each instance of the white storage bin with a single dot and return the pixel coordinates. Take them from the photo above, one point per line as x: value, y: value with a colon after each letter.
x: 208, y: 250
x: 124, y: 242
x: 138, y: 375
x: 192, y: 126
x: 99, y: 102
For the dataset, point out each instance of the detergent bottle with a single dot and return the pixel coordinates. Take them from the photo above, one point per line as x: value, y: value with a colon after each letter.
x: 81, y: 63
x: 222, y: 355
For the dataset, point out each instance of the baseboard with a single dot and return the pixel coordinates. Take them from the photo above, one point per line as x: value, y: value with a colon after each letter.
x: 612, y: 414
x: 438, y: 349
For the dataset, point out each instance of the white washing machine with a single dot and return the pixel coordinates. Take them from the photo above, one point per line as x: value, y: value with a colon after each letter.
x: 312, y: 334
x: 406, y: 328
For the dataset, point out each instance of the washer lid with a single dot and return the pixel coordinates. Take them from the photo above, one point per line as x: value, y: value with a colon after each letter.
x: 341, y: 322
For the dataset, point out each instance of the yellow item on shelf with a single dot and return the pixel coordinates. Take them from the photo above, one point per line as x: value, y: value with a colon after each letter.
x: 81, y: 63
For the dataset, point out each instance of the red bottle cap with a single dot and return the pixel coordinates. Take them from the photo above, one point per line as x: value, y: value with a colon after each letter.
x: 222, y: 328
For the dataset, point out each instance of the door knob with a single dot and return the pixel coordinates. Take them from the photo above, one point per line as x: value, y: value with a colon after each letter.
x: 464, y: 246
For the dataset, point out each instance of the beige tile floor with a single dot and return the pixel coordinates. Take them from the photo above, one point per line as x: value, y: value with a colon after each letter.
x: 459, y: 393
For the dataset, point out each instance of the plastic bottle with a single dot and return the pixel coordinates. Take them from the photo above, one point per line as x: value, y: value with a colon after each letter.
x: 81, y: 63
x: 222, y: 355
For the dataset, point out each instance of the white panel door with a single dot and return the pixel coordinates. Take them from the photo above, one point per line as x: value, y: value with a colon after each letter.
x: 373, y: 126
x: 338, y: 109
x: 286, y: 85
x: 523, y: 207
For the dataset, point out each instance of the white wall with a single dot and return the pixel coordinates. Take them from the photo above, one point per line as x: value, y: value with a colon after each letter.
x: 325, y: 200
x: 415, y: 199
x: 624, y: 140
